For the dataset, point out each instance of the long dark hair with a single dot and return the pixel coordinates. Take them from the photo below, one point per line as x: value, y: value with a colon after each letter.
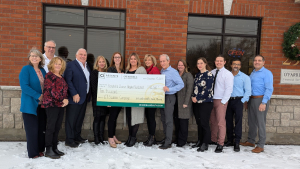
x: 205, y: 61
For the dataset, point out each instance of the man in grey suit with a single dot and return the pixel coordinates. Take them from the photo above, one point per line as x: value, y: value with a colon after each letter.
x: 173, y: 84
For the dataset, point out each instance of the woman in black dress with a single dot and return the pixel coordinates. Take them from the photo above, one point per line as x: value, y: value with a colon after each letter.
x: 99, y: 112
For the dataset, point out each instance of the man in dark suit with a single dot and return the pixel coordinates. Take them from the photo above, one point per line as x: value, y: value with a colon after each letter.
x: 77, y: 75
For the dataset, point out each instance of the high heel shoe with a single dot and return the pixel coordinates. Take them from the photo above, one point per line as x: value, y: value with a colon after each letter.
x: 116, y: 140
x: 112, y: 143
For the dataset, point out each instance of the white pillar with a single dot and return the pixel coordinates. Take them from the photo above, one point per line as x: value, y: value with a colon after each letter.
x: 227, y: 6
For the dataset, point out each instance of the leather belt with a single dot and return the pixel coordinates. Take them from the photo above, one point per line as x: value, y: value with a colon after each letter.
x: 255, y: 97
x: 237, y: 97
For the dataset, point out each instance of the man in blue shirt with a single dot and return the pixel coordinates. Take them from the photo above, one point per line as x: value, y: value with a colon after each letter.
x: 173, y: 84
x: 240, y: 95
x: 261, y: 92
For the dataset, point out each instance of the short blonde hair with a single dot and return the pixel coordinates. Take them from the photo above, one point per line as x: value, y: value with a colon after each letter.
x: 152, y: 58
x: 184, y: 64
x: 53, y: 61
x: 96, y: 63
x: 139, y: 64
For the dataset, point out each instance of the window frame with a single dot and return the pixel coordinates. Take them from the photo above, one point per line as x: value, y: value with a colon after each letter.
x: 85, y: 26
x: 223, y: 34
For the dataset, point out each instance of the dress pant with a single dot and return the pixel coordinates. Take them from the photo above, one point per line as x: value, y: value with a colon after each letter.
x: 234, y: 109
x: 202, y: 112
x: 112, y: 120
x: 151, y: 123
x: 55, y: 117
x: 257, y: 120
x: 181, y: 127
x: 167, y: 117
x: 218, y: 122
x: 35, y: 135
x: 74, y: 119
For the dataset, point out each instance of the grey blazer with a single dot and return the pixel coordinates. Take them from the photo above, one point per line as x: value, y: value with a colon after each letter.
x: 137, y: 113
x: 184, y: 96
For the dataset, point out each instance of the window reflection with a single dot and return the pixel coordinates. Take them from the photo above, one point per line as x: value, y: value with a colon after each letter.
x: 106, y: 18
x: 64, y: 15
x: 205, y: 24
x: 241, y: 26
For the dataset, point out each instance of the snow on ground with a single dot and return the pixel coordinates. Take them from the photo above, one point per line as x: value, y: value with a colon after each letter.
x: 14, y: 155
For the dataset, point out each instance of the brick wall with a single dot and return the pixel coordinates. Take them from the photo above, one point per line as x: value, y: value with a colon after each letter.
x: 152, y: 26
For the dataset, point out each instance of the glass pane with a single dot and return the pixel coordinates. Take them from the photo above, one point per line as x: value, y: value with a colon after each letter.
x: 202, y: 46
x: 205, y: 24
x: 105, y: 42
x: 244, y: 48
x: 241, y: 26
x: 106, y: 18
x: 72, y: 38
x: 64, y: 15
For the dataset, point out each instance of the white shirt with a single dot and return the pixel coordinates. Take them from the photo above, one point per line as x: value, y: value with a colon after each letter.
x: 47, y: 61
x: 224, y: 84
x: 86, y: 73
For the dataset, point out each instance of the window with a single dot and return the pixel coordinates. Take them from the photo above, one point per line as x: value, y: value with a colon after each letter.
x: 209, y: 36
x: 100, y: 31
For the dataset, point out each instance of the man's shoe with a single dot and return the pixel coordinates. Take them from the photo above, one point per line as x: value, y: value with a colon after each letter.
x: 257, y: 150
x: 55, y: 150
x: 165, y: 146
x: 81, y: 140
x: 203, y: 147
x: 247, y: 144
x: 180, y: 145
x: 198, y: 144
x: 228, y: 144
x: 161, y: 142
x: 236, y: 147
x: 73, y: 145
x: 219, y: 149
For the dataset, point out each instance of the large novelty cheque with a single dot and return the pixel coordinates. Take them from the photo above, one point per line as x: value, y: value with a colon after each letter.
x: 131, y: 90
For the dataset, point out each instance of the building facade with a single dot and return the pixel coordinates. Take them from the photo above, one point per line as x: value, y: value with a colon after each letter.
x: 183, y: 29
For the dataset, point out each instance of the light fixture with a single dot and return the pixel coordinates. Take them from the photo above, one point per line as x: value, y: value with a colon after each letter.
x: 85, y: 2
x: 227, y: 6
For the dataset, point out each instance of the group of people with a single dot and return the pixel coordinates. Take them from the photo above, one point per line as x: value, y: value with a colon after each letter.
x: 215, y: 97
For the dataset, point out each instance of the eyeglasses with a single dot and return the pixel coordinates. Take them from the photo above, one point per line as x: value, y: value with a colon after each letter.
x: 236, y: 64
x: 50, y: 47
x: 117, y: 57
x: 34, y: 56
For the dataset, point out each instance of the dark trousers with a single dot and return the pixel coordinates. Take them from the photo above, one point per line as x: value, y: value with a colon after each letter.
x: 112, y: 121
x: 74, y: 119
x: 202, y: 113
x: 132, y: 129
x: 167, y: 117
x: 151, y: 123
x: 55, y: 117
x: 35, y: 135
x: 181, y: 127
x: 234, y: 110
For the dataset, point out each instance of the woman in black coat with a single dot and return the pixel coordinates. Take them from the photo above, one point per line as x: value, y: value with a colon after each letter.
x: 99, y: 112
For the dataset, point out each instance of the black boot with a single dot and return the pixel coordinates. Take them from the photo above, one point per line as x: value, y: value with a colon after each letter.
x: 101, y: 131
x: 54, y: 148
x: 198, y: 144
x: 51, y: 154
x: 128, y: 140
x: 96, y: 132
x: 203, y: 147
x: 146, y: 142
x: 131, y: 142
x: 236, y: 147
x: 219, y: 149
x: 151, y: 141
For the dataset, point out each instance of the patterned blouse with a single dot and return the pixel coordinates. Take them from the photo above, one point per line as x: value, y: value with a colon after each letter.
x: 41, y: 78
x: 203, y: 87
x: 55, y: 91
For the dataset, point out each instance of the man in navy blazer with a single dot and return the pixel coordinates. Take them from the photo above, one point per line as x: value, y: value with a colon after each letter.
x: 77, y: 75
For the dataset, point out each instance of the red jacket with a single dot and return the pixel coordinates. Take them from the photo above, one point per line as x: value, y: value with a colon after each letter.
x: 153, y: 70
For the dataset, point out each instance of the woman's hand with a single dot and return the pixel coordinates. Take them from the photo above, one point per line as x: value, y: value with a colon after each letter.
x: 65, y: 102
x: 41, y: 97
x: 194, y: 99
x: 185, y: 106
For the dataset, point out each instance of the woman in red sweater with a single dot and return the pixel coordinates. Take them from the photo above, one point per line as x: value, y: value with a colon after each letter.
x: 54, y: 100
x: 150, y: 64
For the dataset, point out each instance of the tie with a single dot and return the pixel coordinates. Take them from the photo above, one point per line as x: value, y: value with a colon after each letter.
x: 215, y: 80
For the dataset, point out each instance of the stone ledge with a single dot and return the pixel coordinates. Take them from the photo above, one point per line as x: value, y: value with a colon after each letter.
x: 291, y: 97
x: 10, y: 88
x: 297, y: 1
